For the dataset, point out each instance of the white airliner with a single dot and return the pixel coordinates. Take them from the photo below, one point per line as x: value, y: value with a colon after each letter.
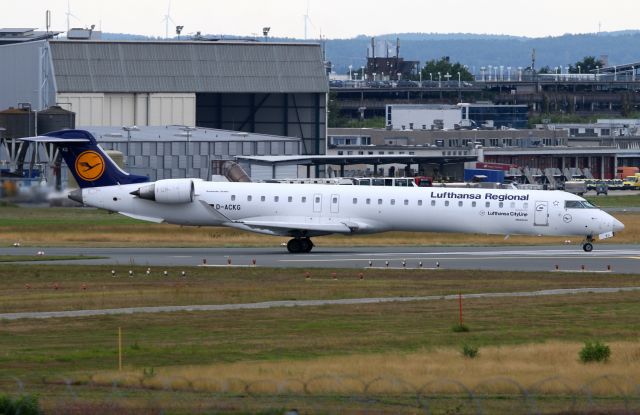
x: 302, y: 211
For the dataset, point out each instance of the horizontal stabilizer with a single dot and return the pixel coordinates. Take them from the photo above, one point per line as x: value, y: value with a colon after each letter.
x: 56, y: 140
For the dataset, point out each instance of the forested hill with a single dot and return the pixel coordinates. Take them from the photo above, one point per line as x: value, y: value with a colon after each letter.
x: 484, y: 50
x: 475, y: 50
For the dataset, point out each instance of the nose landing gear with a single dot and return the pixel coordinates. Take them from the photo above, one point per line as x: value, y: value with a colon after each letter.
x: 299, y: 245
x: 587, y: 245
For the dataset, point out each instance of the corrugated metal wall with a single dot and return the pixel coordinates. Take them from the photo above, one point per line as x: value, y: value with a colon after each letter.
x: 23, y: 68
x: 116, y: 110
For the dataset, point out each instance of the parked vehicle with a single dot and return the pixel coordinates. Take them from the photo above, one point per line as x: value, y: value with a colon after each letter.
x: 601, y: 188
x: 576, y: 187
x: 624, y: 171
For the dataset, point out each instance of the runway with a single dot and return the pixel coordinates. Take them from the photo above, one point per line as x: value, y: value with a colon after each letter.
x: 604, y: 258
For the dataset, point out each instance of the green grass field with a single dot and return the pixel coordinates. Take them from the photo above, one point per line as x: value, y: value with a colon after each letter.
x: 254, y: 361
x: 257, y: 346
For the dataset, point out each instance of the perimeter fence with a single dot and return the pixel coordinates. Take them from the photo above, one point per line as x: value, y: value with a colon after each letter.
x: 324, y: 394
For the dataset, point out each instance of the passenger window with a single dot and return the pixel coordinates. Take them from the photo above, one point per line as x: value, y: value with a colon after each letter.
x: 249, y: 198
x: 460, y: 203
x: 393, y: 201
x: 473, y: 204
x: 368, y: 201
x: 420, y: 202
x: 406, y: 202
x: 335, y: 200
x: 379, y: 201
x: 317, y: 200
x: 290, y: 199
x: 487, y: 204
x: 501, y: 204
x: 276, y: 198
x: 263, y: 198
x: 446, y: 203
x: 433, y: 203
x: 355, y: 200
x: 513, y: 205
x: 526, y: 205
x: 233, y: 198
x: 304, y: 199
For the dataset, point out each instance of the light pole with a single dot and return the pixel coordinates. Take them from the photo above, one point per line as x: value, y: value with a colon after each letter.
x: 439, y: 81
x: 350, y: 67
x: 520, y: 73
x: 482, y: 68
x: 459, y: 83
x: 362, y: 73
x: 490, y: 72
x: 430, y: 76
x: 509, y: 73
x: 502, y: 72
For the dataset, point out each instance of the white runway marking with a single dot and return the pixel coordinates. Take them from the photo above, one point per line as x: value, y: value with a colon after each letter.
x: 303, y: 303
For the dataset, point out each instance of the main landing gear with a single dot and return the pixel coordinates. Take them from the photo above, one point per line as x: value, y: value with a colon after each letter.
x: 587, y: 245
x: 299, y: 245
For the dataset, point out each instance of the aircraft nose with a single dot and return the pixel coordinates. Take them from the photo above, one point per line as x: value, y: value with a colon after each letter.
x: 617, y: 225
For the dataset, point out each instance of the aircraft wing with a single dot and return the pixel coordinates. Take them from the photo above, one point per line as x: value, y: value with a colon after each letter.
x: 294, y: 226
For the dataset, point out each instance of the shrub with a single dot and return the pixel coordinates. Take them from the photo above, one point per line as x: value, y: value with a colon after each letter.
x: 594, y: 352
x: 460, y: 328
x: 23, y: 405
x: 469, y: 351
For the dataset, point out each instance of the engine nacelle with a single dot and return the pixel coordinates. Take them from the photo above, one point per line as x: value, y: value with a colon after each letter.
x: 172, y: 191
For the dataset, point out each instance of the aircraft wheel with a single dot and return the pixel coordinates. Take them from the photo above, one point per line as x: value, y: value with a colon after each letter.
x: 588, y: 247
x: 306, y: 245
x: 294, y: 246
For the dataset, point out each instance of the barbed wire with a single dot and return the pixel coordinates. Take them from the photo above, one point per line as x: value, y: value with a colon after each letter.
x: 328, y: 394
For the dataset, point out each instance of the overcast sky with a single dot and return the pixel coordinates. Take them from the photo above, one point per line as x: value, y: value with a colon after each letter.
x: 331, y: 18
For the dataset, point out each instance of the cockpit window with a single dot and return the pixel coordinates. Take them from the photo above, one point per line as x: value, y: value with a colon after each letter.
x: 578, y: 204
x: 573, y: 204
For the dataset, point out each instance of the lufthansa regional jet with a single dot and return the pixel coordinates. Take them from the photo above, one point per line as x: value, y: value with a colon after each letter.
x: 304, y: 211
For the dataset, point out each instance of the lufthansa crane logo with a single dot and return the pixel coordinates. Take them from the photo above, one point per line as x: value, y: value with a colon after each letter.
x: 89, y: 165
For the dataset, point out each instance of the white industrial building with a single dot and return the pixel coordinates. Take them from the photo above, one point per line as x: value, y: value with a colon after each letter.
x: 423, y: 117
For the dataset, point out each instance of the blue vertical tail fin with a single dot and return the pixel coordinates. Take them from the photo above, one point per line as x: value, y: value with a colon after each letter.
x: 87, y: 161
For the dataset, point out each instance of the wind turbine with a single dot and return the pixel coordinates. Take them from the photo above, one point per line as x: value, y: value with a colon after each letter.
x: 166, y: 20
x: 307, y: 21
x: 69, y: 14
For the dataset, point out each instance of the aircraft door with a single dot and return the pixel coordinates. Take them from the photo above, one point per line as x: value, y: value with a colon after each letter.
x: 317, y: 203
x: 335, y: 201
x: 541, y: 214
